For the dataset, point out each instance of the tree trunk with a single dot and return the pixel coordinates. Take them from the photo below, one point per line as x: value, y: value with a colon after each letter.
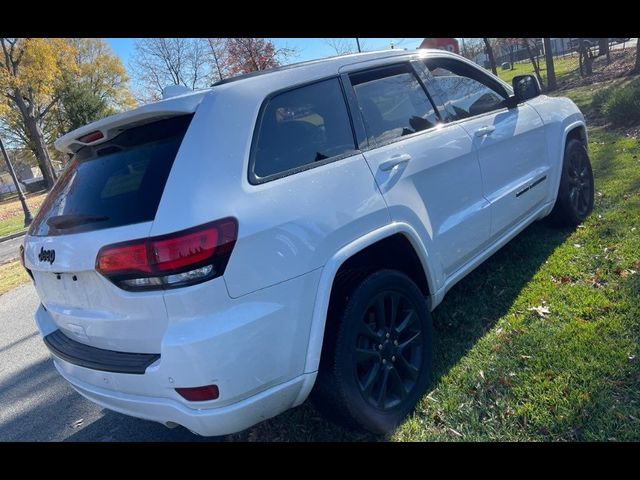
x: 637, y: 67
x: 37, y: 140
x: 585, y: 59
x: 536, y: 66
x: 492, y: 60
x: 551, y: 72
x: 603, y: 48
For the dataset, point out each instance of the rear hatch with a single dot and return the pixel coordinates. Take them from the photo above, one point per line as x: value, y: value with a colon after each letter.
x: 108, y: 193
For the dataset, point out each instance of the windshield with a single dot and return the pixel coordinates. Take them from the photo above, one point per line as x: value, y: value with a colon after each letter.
x: 115, y: 183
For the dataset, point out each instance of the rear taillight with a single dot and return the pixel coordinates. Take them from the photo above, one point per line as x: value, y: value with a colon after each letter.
x: 169, y: 261
x: 22, y: 262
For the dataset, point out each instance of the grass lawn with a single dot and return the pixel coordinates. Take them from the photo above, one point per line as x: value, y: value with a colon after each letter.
x: 565, y: 67
x: 11, y: 225
x: 11, y: 275
x: 12, y: 215
x: 508, y: 372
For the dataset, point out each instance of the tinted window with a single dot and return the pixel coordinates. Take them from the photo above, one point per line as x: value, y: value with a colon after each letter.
x: 115, y: 183
x: 467, y: 91
x: 392, y: 102
x: 303, y: 126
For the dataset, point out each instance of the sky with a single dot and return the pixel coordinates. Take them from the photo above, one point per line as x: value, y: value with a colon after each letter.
x: 308, y: 48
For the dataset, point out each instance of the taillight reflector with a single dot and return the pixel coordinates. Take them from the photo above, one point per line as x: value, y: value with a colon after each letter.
x: 199, y: 394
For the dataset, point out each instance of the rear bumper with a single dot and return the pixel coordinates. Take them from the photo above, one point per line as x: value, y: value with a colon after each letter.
x: 252, y: 348
x: 206, y: 422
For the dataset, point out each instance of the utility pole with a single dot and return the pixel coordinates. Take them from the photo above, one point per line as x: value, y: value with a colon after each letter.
x: 358, y: 42
x: 27, y: 214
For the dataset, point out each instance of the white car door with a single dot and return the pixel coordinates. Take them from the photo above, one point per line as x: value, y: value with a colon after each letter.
x: 428, y: 172
x: 510, y: 142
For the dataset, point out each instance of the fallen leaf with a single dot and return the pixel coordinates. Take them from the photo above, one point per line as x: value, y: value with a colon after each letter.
x: 595, y: 282
x: 562, y: 280
x: 526, y: 357
x: 481, y: 374
x: 540, y: 310
x: 577, y: 245
x: 455, y: 432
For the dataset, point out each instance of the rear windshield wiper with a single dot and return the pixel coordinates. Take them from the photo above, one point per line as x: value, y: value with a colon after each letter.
x: 62, y: 222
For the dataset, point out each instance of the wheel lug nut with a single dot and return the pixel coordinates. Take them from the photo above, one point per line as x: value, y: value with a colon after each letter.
x: 393, y: 359
x: 395, y: 342
x: 384, y: 361
x: 388, y: 335
x: 380, y: 347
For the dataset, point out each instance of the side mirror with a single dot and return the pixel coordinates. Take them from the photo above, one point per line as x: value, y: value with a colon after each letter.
x: 525, y: 87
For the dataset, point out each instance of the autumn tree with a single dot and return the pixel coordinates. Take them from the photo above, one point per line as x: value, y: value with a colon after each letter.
x: 253, y: 54
x: 219, y: 57
x: 97, y: 88
x: 31, y: 70
x: 636, y: 69
x: 160, y: 62
x: 83, y: 81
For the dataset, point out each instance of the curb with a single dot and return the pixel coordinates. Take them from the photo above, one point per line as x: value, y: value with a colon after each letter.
x: 12, y: 236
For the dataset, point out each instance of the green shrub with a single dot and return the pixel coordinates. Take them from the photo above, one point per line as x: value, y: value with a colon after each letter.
x: 622, y: 107
x: 599, y: 98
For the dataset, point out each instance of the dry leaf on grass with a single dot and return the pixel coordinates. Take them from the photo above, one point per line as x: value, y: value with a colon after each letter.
x: 541, y: 310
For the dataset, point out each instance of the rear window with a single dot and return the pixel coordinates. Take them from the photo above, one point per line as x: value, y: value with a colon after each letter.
x: 301, y: 127
x: 115, y: 183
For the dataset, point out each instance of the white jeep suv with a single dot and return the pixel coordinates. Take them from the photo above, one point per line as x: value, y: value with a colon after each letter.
x: 206, y: 260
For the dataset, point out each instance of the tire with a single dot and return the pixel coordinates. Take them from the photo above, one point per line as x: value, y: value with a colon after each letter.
x: 575, y: 193
x: 364, y: 347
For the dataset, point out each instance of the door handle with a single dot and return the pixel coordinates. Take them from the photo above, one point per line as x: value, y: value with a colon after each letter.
x: 486, y: 130
x: 395, y: 161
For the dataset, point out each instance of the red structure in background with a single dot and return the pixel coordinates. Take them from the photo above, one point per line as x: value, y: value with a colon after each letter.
x: 449, y: 44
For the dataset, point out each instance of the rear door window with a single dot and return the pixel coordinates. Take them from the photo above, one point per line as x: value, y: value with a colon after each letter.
x: 116, y: 183
x: 393, y: 103
x: 300, y: 128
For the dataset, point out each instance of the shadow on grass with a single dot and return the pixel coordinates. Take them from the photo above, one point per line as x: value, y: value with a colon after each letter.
x: 474, y: 305
x: 469, y: 310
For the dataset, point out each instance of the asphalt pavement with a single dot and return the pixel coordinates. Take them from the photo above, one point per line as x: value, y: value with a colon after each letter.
x: 36, y: 404
x: 9, y: 249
